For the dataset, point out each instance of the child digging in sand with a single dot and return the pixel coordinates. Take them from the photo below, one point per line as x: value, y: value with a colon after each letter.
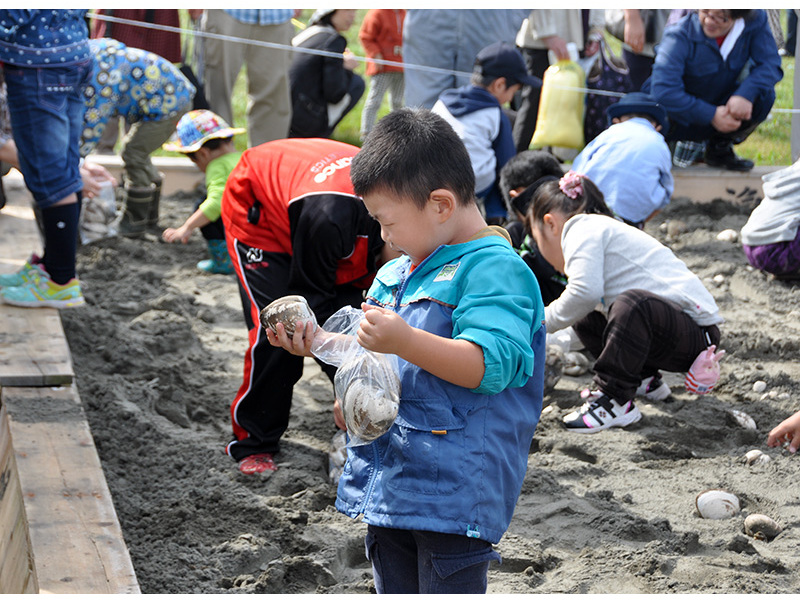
x: 464, y: 315
x: 206, y: 139
x: 655, y: 314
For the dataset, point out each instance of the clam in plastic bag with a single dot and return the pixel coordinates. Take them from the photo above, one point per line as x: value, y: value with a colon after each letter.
x: 366, y: 383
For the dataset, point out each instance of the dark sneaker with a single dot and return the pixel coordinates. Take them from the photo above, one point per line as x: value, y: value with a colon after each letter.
x: 722, y: 155
x: 600, y: 412
x: 653, y: 388
x: 257, y: 463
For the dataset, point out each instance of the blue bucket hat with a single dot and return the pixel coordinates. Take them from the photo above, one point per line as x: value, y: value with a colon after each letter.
x: 639, y: 102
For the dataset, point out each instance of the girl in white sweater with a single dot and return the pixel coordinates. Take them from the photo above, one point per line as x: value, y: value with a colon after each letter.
x: 634, y: 305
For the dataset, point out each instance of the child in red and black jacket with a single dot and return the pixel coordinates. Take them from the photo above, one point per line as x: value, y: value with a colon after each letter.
x: 293, y: 226
x: 381, y: 36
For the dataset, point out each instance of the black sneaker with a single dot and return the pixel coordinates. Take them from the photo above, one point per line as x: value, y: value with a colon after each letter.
x: 720, y: 154
x: 600, y: 412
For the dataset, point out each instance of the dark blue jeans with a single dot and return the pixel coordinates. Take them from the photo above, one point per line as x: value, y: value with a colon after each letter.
x: 420, y: 562
x: 47, y: 106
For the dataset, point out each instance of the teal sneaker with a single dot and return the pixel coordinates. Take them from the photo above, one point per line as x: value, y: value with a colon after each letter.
x: 42, y: 292
x: 25, y: 274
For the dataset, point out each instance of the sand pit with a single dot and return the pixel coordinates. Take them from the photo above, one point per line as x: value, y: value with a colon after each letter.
x: 158, y: 351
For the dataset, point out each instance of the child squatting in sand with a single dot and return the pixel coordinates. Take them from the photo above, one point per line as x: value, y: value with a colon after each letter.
x: 655, y: 313
x: 439, y: 488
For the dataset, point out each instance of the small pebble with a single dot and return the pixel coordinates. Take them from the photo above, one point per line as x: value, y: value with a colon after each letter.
x: 547, y: 409
x: 729, y: 235
x: 719, y: 279
x: 759, y: 386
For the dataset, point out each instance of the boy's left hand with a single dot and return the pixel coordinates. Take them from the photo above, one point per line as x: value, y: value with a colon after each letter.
x: 382, y: 330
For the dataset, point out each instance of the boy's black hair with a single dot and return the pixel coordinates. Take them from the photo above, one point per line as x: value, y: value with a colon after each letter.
x: 410, y: 153
x: 549, y: 198
x: 525, y: 168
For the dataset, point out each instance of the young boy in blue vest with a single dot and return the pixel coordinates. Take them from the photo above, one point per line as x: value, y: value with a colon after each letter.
x: 439, y: 488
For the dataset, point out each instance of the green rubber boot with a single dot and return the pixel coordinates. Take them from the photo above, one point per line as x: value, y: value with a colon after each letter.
x: 220, y: 262
x: 135, y: 210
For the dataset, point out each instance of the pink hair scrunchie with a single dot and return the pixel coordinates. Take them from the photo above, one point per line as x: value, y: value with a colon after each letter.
x: 571, y: 184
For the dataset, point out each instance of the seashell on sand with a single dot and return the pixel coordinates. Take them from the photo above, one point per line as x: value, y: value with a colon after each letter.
x: 576, y: 364
x: 743, y: 419
x: 761, y: 527
x: 759, y: 386
x: 756, y: 457
x: 553, y: 368
x: 729, y: 234
x: 717, y: 504
x: 287, y: 310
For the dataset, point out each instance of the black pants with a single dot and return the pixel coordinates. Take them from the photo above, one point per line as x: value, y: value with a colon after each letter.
x: 260, y: 410
x: 644, y: 333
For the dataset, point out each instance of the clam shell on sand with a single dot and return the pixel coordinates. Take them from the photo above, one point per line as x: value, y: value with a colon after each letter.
x: 761, y: 527
x: 287, y: 310
x: 717, y: 504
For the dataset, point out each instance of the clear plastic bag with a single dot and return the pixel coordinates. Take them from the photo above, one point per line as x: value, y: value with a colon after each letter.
x: 367, y: 384
x: 98, y: 214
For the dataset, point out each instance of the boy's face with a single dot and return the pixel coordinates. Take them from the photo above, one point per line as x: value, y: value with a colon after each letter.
x: 404, y: 227
x: 201, y: 158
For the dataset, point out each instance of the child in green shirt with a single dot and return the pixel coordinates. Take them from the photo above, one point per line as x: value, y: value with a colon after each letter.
x: 206, y: 139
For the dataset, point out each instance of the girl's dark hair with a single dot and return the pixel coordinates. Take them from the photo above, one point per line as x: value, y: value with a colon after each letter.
x: 549, y: 198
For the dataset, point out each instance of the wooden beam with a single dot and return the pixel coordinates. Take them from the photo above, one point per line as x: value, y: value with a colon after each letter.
x: 33, y: 349
x: 75, y: 534
x: 17, y: 571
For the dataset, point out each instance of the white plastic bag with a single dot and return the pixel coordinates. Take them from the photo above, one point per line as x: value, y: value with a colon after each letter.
x: 98, y: 214
x: 367, y: 384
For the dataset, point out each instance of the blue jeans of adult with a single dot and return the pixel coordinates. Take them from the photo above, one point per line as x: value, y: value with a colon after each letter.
x: 421, y: 562
x: 47, y: 107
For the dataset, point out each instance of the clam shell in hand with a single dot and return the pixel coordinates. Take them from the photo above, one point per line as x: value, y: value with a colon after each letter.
x: 717, y: 504
x: 287, y: 310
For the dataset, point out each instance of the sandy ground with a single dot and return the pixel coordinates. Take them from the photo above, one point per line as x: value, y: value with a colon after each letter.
x: 606, y: 513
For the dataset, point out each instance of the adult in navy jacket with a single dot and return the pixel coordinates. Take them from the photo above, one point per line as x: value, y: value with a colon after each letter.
x: 715, y: 72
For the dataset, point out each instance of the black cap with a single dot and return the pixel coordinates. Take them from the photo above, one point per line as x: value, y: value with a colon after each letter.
x: 501, y: 59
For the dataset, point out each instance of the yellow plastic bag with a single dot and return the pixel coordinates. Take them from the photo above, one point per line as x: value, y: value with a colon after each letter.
x: 559, y: 122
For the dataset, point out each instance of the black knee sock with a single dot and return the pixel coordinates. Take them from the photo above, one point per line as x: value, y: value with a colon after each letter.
x: 60, y: 224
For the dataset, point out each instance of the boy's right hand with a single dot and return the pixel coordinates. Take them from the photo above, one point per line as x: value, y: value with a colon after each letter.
x: 299, y: 344
x: 182, y: 234
x: 787, y: 431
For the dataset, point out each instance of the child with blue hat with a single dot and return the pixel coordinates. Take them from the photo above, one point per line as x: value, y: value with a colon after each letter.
x: 630, y: 161
x: 206, y: 139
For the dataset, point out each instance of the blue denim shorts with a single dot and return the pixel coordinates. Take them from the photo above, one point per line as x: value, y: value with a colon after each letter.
x: 47, y: 107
